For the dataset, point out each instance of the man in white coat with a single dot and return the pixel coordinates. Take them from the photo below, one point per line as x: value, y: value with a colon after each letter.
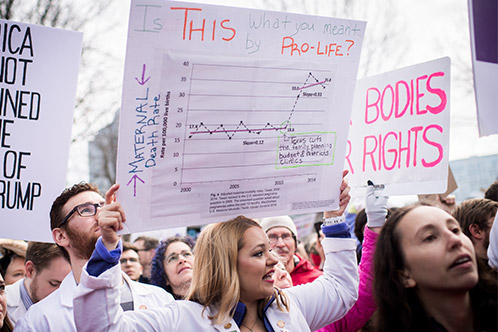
x: 45, y: 267
x: 73, y: 220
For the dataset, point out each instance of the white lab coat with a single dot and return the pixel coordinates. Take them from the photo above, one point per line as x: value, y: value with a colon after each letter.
x: 15, y: 307
x: 55, y: 312
x: 493, y: 244
x: 312, y: 305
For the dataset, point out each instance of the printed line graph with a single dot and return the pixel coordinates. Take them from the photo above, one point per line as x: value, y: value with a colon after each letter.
x: 236, y: 111
x: 201, y: 128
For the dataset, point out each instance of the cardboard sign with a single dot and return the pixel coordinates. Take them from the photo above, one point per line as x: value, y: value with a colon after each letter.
x: 452, y: 186
x: 38, y: 77
x: 399, y: 135
x: 228, y: 111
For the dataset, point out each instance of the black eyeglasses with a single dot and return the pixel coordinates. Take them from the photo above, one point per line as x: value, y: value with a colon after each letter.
x: 84, y: 210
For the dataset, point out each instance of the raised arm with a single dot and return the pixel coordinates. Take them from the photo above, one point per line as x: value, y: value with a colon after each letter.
x: 108, y: 248
x: 96, y: 304
x: 329, y: 297
x: 344, y: 198
x: 111, y: 218
x: 363, y: 309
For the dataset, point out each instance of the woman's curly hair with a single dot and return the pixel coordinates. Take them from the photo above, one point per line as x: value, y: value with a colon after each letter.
x: 158, y: 276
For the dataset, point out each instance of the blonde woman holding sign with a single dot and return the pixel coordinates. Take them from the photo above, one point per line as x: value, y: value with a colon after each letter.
x: 232, y: 287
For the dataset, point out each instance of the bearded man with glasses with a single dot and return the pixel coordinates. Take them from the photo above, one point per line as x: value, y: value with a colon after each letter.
x: 74, y: 221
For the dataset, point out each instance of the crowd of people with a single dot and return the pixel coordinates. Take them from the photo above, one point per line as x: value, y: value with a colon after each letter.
x: 428, y: 266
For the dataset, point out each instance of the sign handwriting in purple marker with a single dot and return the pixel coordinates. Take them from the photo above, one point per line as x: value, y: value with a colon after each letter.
x: 134, y: 179
x: 143, y: 80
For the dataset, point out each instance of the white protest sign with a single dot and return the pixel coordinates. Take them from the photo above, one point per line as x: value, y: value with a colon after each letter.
x: 483, y: 17
x: 399, y: 135
x: 304, y: 224
x: 38, y: 78
x: 230, y: 111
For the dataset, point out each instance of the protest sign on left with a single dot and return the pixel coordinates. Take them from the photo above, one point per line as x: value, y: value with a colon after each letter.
x: 38, y: 78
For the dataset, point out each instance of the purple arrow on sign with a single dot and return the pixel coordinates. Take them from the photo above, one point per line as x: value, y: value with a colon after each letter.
x: 143, y: 81
x: 134, y: 179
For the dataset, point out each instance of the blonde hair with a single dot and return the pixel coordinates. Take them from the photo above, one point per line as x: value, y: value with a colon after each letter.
x: 215, y: 281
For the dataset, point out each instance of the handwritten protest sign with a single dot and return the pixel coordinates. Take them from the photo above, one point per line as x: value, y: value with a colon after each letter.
x: 230, y: 111
x: 399, y: 135
x: 483, y: 17
x: 38, y: 77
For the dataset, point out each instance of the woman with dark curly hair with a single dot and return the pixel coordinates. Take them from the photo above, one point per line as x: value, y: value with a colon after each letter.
x: 172, y: 265
x: 427, y: 277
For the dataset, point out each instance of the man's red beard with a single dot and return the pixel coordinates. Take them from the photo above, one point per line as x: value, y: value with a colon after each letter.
x: 82, y: 244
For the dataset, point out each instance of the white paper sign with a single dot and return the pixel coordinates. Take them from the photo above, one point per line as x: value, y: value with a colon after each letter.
x: 399, y: 134
x: 230, y: 111
x: 483, y: 17
x: 304, y: 224
x: 38, y: 77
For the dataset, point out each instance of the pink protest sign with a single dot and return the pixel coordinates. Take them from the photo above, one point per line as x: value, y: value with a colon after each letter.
x: 399, y: 134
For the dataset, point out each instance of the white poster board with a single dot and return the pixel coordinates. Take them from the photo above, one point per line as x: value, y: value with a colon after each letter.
x: 230, y: 111
x: 399, y: 135
x: 38, y: 78
x: 483, y: 19
x: 304, y: 224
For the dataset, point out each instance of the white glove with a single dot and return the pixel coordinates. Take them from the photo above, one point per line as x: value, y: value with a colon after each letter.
x: 376, y: 207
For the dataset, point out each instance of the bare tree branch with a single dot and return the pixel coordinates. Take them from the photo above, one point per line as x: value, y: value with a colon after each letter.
x: 92, y: 83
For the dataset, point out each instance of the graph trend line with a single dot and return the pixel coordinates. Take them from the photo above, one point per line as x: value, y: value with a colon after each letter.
x: 201, y: 128
x: 309, y: 86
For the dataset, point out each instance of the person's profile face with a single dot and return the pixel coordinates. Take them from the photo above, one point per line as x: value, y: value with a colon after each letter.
x: 15, y: 270
x: 255, y: 266
x: 485, y: 244
x: 49, y: 279
x: 437, y: 253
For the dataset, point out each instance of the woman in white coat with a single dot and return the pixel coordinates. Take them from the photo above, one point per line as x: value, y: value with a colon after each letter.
x: 232, y: 287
